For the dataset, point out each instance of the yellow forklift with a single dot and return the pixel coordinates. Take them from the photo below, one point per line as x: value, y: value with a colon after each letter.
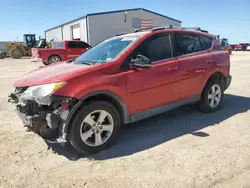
x: 17, y: 50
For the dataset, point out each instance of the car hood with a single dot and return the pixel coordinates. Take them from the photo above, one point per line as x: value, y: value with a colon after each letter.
x: 53, y: 73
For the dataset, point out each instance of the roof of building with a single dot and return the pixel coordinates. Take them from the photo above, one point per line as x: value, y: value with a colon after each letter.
x: 93, y: 14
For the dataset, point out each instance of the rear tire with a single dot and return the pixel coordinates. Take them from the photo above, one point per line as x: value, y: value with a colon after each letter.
x: 16, y: 53
x: 212, y: 96
x: 53, y: 59
x: 100, y: 132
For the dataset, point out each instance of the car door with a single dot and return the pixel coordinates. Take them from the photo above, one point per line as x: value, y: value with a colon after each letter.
x: 195, y: 63
x: 156, y: 86
x: 72, y: 51
x: 83, y: 47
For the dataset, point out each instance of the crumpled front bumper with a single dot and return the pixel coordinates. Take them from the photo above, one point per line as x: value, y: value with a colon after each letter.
x: 38, y: 121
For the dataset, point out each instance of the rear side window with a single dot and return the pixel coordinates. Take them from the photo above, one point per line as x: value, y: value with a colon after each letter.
x: 187, y: 43
x: 205, y: 42
x: 155, y: 48
x: 82, y: 45
x: 72, y: 44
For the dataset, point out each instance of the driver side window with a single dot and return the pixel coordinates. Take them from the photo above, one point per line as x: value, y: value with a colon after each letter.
x: 155, y: 48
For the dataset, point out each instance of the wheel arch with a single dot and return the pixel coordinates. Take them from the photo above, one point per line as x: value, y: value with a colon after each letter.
x: 216, y: 76
x: 98, y: 95
x: 54, y: 55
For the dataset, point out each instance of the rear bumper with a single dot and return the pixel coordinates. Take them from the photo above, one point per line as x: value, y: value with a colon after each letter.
x: 227, y: 81
x: 36, y: 59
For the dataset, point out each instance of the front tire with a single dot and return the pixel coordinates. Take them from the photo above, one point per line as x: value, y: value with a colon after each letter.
x: 212, y: 96
x: 16, y: 53
x: 95, y: 127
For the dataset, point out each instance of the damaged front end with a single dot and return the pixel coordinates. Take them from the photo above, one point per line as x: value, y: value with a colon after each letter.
x: 41, y: 111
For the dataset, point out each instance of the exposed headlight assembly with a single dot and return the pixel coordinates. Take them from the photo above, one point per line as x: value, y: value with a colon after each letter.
x: 41, y: 93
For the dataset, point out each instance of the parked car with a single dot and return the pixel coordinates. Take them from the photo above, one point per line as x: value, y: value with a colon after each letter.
x: 244, y: 46
x: 122, y: 80
x: 232, y: 46
x: 248, y: 48
x: 238, y: 47
x: 60, y: 51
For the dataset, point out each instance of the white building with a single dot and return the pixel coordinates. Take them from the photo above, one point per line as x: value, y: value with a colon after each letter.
x: 94, y: 28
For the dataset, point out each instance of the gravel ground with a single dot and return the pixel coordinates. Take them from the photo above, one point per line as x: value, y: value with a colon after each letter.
x: 182, y: 148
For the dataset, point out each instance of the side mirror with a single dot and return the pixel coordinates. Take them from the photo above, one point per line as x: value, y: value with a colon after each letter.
x: 140, y: 61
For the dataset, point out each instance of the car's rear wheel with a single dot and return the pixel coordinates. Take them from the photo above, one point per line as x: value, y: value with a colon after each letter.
x: 95, y: 127
x: 53, y: 59
x: 212, y: 96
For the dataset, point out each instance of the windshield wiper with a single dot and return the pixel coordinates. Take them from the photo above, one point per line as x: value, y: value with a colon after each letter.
x: 85, y: 63
x: 70, y: 60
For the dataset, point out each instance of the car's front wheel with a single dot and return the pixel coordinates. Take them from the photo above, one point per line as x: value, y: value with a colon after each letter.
x: 212, y: 96
x: 95, y: 127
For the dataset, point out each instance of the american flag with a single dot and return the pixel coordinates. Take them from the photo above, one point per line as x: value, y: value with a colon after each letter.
x: 139, y: 23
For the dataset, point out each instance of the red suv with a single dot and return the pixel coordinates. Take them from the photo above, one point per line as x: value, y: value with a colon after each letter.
x: 124, y: 79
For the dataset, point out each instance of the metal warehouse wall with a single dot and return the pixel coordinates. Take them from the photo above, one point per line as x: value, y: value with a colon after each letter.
x: 104, y: 26
x: 67, y: 30
x: 55, y: 34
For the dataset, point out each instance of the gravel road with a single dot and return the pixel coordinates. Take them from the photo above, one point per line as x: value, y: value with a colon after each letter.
x: 182, y: 148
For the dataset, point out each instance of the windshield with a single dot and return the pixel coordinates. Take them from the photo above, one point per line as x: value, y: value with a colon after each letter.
x: 105, y: 51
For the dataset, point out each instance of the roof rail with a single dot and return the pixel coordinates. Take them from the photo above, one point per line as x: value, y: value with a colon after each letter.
x: 154, y: 28
x: 196, y: 29
x: 178, y: 27
x: 119, y: 34
x: 192, y: 28
x: 157, y: 28
x: 162, y: 27
x: 144, y: 29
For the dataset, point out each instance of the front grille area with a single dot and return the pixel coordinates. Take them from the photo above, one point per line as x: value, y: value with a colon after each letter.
x: 29, y: 108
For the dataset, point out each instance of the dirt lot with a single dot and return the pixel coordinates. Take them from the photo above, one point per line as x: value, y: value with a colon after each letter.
x: 183, y: 148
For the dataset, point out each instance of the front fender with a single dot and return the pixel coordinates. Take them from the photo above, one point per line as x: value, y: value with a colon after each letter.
x: 126, y: 117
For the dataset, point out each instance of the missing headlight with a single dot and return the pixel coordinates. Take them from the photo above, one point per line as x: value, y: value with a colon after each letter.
x: 57, y: 101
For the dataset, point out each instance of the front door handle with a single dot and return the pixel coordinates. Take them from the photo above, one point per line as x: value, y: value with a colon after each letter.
x: 172, y: 68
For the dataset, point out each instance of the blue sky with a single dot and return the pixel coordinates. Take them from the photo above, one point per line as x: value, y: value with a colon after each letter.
x: 229, y: 18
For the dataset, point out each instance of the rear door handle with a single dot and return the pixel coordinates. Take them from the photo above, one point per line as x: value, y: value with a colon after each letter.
x: 172, y: 68
x: 209, y: 61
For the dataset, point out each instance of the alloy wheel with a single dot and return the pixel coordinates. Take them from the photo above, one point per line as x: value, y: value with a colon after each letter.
x: 214, y: 96
x: 96, y: 128
x: 55, y: 60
